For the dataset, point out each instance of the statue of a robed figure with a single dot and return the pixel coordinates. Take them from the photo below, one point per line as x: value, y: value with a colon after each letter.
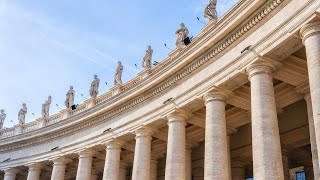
x: 118, y: 74
x: 182, y: 33
x: 22, y: 114
x: 46, y: 107
x: 94, y: 88
x: 70, y: 98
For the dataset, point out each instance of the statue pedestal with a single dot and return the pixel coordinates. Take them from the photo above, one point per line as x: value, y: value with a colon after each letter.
x: 66, y: 113
x: 42, y: 122
x: 145, y: 73
x: 116, y: 89
x: 90, y: 102
x: 18, y: 129
x: 208, y: 26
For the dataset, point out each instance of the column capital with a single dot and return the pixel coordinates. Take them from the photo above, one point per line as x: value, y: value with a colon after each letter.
x: 262, y: 66
x: 11, y: 171
x: 177, y: 116
x: 144, y: 131
x: 114, y: 144
x: 35, y: 166
x: 309, y: 29
x: 61, y: 161
x: 86, y: 153
x: 216, y: 95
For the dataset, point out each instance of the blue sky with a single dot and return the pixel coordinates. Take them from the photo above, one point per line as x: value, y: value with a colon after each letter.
x: 46, y: 46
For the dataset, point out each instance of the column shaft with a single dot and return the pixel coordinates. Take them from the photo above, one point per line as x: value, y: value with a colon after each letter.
x: 229, y: 158
x: 59, y: 168
x: 311, y: 38
x: 285, y: 161
x: 10, y: 174
x: 34, y: 171
x: 123, y: 173
x: 112, y: 162
x: 188, y: 163
x: 142, y: 154
x: 266, y: 148
x: 85, y: 165
x: 238, y: 170
x: 313, y: 141
x: 154, y: 170
x: 216, y: 156
x: 176, y: 147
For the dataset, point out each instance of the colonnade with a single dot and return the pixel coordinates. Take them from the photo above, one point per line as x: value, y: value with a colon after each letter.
x: 266, y: 147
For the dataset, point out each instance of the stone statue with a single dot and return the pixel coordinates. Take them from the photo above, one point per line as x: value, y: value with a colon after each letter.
x: 46, y: 107
x: 94, y: 89
x: 210, y: 12
x: 2, y: 118
x: 182, y: 34
x: 70, y: 98
x: 146, y: 64
x: 22, y: 114
x: 118, y: 74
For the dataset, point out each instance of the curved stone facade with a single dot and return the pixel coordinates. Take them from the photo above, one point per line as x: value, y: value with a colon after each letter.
x: 233, y: 104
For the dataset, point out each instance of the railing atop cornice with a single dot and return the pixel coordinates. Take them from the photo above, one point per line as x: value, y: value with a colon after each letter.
x: 131, y: 83
x: 53, y: 119
x: 80, y: 108
x: 30, y: 126
x: 7, y: 132
x: 104, y: 97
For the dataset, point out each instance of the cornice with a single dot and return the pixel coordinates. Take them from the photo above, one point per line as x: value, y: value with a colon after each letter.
x: 160, y: 88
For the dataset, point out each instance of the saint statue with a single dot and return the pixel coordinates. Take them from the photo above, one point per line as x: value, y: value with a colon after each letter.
x: 146, y: 64
x: 118, y: 74
x: 94, y: 89
x: 210, y: 12
x: 70, y: 97
x: 2, y: 118
x: 182, y: 34
x: 22, y: 114
x: 46, y: 107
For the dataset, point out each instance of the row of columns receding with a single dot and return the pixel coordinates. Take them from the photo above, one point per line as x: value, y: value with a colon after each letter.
x: 266, y: 147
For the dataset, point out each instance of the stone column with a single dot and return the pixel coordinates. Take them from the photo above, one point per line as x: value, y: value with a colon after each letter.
x: 285, y: 161
x: 309, y: 172
x: 188, y: 163
x: 142, y: 154
x: 10, y: 174
x: 238, y: 170
x: 112, y: 162
x: 176, y: 147
x: 85, y: 165
x: 313, y: 141
x: 216, y: 156
x: 94, y: 174
x: 154, y: 170
x: 229, y: 133
x: 266, y: 148
x: 310, y: 34
x: 123, y: 172
x: 34, y: 171
x: 59, y: 168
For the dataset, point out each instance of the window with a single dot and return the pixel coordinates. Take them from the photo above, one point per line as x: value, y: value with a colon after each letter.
x: 301, y: 176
